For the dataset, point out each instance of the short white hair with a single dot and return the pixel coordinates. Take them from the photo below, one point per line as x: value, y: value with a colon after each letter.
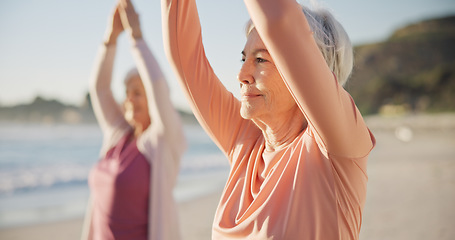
x: 331, y: 38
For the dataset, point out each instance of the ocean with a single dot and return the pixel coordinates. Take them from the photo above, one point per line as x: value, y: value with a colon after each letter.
x: 44, y: 170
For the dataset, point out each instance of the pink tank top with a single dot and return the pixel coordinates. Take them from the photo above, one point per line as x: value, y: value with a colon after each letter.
x: 119, y: 186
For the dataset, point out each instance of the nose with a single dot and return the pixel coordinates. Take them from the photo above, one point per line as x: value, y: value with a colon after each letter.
x: 245, y: 75
x: 129, y: 98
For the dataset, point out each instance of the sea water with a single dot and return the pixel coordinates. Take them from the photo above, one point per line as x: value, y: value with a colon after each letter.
x: 44, y: 170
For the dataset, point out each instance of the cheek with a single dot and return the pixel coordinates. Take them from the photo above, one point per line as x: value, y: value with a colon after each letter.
x: 141, y: 104
x: 143, y: 101
x: 270, y: 84
x: 282, y: 92
x: 277, y: 93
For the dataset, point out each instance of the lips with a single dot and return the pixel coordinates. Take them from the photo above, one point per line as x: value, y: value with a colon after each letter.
x: 250, y: 95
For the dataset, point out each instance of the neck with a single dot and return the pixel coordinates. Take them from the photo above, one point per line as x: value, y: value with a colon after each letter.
x: 139, y: 129
x: 280, y: 131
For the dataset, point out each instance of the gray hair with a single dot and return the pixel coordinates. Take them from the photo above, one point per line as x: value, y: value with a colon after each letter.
x: 130, y: 74
x: 332, y: 40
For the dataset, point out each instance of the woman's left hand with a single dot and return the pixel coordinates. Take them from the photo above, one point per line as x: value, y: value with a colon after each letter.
x: 130, y: 19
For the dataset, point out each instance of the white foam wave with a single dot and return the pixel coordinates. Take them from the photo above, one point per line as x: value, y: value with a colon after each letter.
x: 41, y: 176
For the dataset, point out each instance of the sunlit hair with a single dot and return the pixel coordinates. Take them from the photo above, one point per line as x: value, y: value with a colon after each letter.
x: 331, y: 38
x: 130, y: 74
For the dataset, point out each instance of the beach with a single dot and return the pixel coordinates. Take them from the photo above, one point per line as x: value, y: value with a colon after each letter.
x: 196, y: 217
x: 411, y: 187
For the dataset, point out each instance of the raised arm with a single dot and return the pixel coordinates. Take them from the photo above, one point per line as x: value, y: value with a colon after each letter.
x: 216, y: 109
x: 286, y: 33
x: 107, y: 110
x: 164, y: 117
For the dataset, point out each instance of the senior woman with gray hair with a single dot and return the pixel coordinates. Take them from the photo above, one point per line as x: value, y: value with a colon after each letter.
x: 296, y: 142
x: 132, y: 184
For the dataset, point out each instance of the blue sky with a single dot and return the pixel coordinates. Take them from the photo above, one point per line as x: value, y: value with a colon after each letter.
x: 47, y: 48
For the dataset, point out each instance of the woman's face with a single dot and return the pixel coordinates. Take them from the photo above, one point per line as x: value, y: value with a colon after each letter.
x: 135, y: 105
x: 263, y: 92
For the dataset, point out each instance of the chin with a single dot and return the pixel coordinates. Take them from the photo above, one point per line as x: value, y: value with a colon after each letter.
x: 247, y: 112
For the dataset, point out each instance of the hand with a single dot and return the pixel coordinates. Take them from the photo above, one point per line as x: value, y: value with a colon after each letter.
x: 130, y: 19
x: 115, y: 27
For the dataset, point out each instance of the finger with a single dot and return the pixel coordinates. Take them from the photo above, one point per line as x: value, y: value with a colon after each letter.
x: 129, y: 5
x: 123, y: 5
x: 124, y: 11
x: 116, y: 10
x: 128, y: 2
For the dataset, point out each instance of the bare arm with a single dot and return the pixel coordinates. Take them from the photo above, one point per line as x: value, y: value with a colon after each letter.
x: 326, y: 105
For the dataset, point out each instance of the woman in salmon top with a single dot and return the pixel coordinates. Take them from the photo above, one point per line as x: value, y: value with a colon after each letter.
x: 296, y: 142
x: 131, y: 186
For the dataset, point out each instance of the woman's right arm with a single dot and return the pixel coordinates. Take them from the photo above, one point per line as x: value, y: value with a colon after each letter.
x: 216, y: 109
x: 107, y: 110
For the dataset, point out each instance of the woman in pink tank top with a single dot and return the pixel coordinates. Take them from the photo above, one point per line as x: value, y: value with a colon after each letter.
x: 296, y: 142
x: 131, y: 186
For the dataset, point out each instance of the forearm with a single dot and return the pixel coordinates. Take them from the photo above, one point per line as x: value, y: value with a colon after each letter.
x: 165, y: 118
x: 102, y: 68
x: 104, y: 105
x: 146, y: 63
x: 181, y: 34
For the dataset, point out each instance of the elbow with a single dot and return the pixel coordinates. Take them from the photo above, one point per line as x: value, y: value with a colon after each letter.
x: 98, y: 88
x: 92, y: 84
x: 94, y: 87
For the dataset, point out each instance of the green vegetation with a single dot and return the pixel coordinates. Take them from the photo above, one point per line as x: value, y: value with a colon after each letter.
x: 413, y: 70
x: 52, y: 111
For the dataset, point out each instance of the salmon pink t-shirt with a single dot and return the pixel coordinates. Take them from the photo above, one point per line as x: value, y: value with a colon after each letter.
x: 304, y: 190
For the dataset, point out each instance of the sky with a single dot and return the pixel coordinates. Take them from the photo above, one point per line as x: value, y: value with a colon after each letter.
x: 47, y: 48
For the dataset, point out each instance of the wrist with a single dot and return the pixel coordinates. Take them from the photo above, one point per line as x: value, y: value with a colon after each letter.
x: 136, y: 35
x: 109, y: 43
x: 110, y: 39
x: 138, y: 38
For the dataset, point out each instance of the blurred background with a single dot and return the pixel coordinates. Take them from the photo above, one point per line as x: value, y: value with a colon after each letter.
x: 403, y: 83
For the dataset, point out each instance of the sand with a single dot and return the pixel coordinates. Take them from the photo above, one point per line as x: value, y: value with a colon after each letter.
x: 196, y: 217
x: 411, y: 188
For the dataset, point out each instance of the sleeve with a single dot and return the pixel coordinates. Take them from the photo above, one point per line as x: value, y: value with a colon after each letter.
x: 216, y: 109
x: 163, y: 144
x: 165, y: 119
x: 107, y: 111
x: 87, y: 230
x: 325, y: 104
